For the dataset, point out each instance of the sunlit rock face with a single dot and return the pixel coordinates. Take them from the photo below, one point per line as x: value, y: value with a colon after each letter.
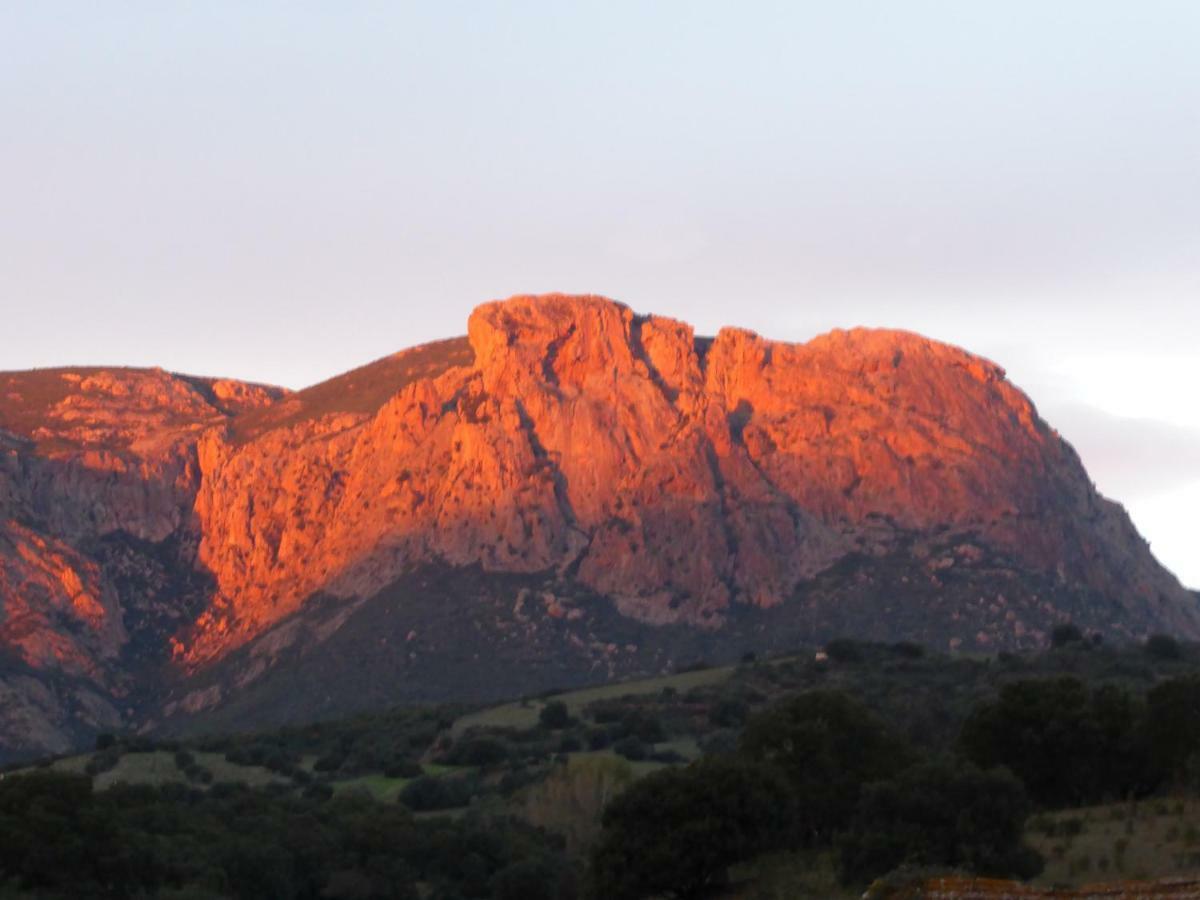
x: 678, y: 477
x: 685, y: 481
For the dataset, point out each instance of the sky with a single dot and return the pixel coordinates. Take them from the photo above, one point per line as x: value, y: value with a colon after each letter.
x: 282, y: 191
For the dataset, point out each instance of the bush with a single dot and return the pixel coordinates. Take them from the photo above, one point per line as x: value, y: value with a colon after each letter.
x: 721, y: 741
x: 1163, y: 646
x: 908, y: 650
x: 631, y: 748
x: 728, y: 713
x: 572, y: 798
x: 826, y: 746
x: 645, y: 726
x: 1068, y: 745
x: 940, y: 814
x: 670, y: 757
x: 403, y: 768
x: 328, y: 762
x: 526, y: 879
x: 478, y: 751
x: 103, y: 761
x: 1173, y: 724
x: 427, y: 793
x: 570, y: 744
x: 844, y: 650
x: 1065, y: 634
x: 555, y: 715
x: 677, y: 831
x: 198, y: 774
x: 318, y: 791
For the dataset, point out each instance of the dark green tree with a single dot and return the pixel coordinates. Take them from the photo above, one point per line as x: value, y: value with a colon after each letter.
x: 676, y: 832
x: 1173, y: 724
x: 942, y: 813
x: 555, y: 715
x: 1065, y: 634
x: 1163, y: 646
x: 827, y: 746
x: 1067, y: 744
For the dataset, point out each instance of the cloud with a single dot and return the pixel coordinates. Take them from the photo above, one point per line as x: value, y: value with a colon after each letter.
x: 1129, y: 458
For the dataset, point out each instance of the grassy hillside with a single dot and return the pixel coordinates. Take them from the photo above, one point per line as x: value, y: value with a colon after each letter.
x: 363, y: 390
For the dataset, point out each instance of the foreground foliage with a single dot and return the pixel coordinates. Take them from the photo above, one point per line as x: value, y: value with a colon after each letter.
x: 676, y: 832
x: 61, y: 839
x: 870, y: 759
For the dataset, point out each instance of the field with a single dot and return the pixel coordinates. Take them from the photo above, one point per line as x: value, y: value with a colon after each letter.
x: 1150, y: 838
x: 524, y: 713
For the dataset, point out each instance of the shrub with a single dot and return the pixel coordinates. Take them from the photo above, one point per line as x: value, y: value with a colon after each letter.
x: 1163, y: 646
x: 403, y: 768
x: 728, y: 713
x: 318, y: 791
x: 645, y: 726
x: 908, y: 650
x: 631, y: 748
x: 827, y: 746
x: 555, y: 715
x: 328, y: 762
x: 677, y: 831
x: 670, y: 757
x: 1067, y: 744
x: 427, y: 793
x: 1065, y: 634
x: 723, y: 740
x: 1173, y: 723
x: 103, y: 761
x: 570, y: 744
x: 940, y: 814
x: 478, y: 751
x: 844, y: 650
x: 571, y: 800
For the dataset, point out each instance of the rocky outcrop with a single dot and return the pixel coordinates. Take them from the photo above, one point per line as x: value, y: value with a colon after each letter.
x: 91, y: 458
x: 680, y: 477
x: 684, y: 481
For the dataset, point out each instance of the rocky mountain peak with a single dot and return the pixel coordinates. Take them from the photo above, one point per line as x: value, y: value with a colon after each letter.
x: 638, y: 478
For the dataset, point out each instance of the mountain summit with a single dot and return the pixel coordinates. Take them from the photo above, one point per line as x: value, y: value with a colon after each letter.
x: 571, y: 493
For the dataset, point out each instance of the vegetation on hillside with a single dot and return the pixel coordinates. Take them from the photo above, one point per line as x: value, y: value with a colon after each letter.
x: 795, y: 776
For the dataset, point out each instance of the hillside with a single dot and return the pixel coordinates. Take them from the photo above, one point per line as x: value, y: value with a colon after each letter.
x: 570, y: 494
x: 554, y: 762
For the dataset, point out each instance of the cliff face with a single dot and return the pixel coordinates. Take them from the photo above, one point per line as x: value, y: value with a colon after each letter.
x: 686, y: 481
x: 91, y: 459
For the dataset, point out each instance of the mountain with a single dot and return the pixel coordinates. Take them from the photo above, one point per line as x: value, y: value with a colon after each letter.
x: 570, y: 493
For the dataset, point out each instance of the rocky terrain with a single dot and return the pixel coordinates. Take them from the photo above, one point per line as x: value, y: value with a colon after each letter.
x: 571, y: 493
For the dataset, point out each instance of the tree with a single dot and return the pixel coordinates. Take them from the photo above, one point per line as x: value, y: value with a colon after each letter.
x: 1065, y: 634
x: 1173, y: 724
x: 572, y: 799
x: 1067, y: 744
x: 941, y: 813
x: 1163, y: 646
x: 676, y: 832
x: 555, y: 715
x: 827, y: 746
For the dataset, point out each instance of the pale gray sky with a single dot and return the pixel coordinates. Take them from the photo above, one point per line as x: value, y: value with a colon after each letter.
x: 281, y: 191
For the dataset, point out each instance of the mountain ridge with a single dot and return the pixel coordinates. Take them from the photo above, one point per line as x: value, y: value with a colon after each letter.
x: 621, y: 473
